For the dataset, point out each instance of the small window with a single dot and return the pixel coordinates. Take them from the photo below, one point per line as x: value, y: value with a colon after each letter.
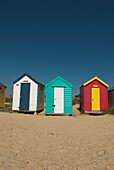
x: 25, y: 81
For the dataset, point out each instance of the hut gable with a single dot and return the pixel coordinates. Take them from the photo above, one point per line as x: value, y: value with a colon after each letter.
x: 59, y: 81
x: 27, y: 75
x: 2, y: 85
x: 93, y: 79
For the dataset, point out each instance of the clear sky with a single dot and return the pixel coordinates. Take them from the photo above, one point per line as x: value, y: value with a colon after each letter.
x: 46, y: 38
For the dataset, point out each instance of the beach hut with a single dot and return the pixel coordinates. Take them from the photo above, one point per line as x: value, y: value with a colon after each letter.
x: 111, y: 97
x: 58, y: 97
x: 94, y: 96
x: 2, y: 94
x: 28, y: 94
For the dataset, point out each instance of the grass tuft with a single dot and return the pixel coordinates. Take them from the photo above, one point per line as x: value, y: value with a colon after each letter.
x: 7, y: 108
x: 109, y: 111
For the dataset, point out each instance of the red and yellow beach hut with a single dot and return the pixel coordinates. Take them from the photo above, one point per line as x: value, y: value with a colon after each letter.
x: 94, y: 96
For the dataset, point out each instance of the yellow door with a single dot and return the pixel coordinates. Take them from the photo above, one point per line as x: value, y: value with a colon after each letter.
x: 95, y: 99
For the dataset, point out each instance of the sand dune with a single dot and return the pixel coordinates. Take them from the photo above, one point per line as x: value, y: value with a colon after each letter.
x: 40, y: 142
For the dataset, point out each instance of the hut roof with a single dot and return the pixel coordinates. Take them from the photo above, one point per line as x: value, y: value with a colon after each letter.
x: 2, y: 85
x: 59, y: 77
x: 26, y: 74
x: 111, y: 89
x: 95, y: 78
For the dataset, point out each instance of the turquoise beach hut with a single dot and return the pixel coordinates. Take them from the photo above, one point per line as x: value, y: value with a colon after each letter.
x: 58, y: 97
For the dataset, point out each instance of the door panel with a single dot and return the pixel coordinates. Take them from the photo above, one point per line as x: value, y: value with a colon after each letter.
x: 24, y: 96
x: 59, y: 100
x: 95, y: 99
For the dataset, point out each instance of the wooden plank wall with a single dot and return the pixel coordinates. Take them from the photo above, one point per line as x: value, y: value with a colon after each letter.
x: 2, y: 96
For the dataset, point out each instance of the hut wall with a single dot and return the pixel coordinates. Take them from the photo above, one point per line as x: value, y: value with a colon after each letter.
x: 111, y: 98
x: 40, y: 97
x: 68, y: 100
x: 16, y: 96
x: 2, y: 96
x: 82, y: 97
x: 49, y: 99
x: 103, y: 96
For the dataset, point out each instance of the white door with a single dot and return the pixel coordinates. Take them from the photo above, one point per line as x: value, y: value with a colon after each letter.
x: 59, y: 100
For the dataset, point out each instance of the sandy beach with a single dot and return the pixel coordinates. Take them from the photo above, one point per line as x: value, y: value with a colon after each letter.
x: 38, y: 142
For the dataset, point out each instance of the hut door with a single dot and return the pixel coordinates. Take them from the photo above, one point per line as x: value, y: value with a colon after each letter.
x: 58, y: 100
x: 95, y: 99
x: 24, y: 96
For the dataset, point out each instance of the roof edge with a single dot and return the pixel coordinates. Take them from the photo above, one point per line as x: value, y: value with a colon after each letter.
x: 111, y: 89
x: 1, y: 84
x: 95, y: 78
x: 26, y: 74
x: 59, y: 77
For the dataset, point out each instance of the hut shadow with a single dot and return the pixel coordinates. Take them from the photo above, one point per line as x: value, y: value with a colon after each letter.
x: 80, y: 110
x: 57, y: 114
x: 96, y: 114
x: 89, y: 113
x: 40, y: 111
x: 26, y: 113
x: 31, y: 112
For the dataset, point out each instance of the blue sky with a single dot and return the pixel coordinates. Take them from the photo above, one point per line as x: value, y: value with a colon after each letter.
x: 46, y: 38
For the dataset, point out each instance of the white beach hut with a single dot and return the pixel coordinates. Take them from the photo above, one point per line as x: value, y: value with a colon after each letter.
x: 28, y: 94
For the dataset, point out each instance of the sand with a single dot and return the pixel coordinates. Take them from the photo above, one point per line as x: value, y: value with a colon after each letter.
x: 38, y: 142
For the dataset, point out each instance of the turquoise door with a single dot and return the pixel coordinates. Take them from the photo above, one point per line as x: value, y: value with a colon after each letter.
x: 24, y: 96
